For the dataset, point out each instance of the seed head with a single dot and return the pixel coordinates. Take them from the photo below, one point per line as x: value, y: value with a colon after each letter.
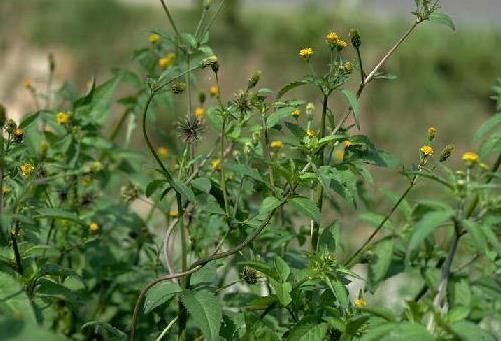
x: 190, y: 129
x: 249, y: 275
x: 356, y: 41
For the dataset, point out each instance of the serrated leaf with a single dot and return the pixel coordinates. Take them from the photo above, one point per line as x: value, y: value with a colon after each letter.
x: 278, y: 115
x: 383, y: 252
x: 184, y: 190
x: 329, y: 238
x: 58, y: 213
x: 307, y: 207
x: 339, y: 290
x: 202, y: 184
x: 269, y: 204
x: 283, y: 291
x: 426, y: 226
x: 309, y: 332
x: 206, y: 311
x: 353, y: 101
x: 160, y: 294
x: 282, y: 269
x: 13, y: 299
x: 477, y: 236
x: 444, y: 19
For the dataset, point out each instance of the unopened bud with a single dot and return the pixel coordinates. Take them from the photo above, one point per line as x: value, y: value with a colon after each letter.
x: 446, y: 152
x: 355, y: 38
x: 202, y: 97
x: 254, y: 80
x: 310, y: 109
x: 211, y: 62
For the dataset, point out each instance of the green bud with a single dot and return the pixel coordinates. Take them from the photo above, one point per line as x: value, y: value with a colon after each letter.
x: 211, y: 62
x: 178, y: 88
x: 202, y: 97
x: 446, y: 152
x: 254, y: 79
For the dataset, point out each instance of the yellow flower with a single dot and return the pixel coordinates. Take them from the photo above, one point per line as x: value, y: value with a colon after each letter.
x: 87, y: 180
x: 277, y: 144
x: 154, y: 38
x: 214, y: 90
x: 27, y: 84
x: 306, y: 53
x: 167, y: 61
x: 348, y: 67
x: 339, y: 155
x: 348, y: 144
x: 199, y: 112
x: 432, y: 132
x: 331, y: 37
x: 426, y: 150
x: 173, y: 213
x: 163, y: 152
x: 63, y: 118
x: 94, y: 227
x: 5, y: 189
x: 216, y: 164
x: 470, y: 157
x: 27, y: 169
x: 311, y: 132
x: 341, y: 44
x: 18, y: 133
x: 296, y: 113
x: 360, y: 303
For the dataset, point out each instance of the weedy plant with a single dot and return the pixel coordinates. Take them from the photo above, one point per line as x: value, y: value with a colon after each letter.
x: 242, y: 240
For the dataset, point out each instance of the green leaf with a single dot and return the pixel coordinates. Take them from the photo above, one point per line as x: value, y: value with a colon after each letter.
x: 329, y: 238
x: 383, y: 252
x: 206, y: 312
x: 477, y: 236
x: 13, y: 299
x: 309, y: 332
x: 307, y: 207
x: 58, y: 213
x: 184, y: 190
x: 283, y: 292
x: 278, y: 115
x: 290, y: 87
x: 15, y: 329
x: 100, y: 100
x: 487, y: 126
x: 202, y: 184
x: 353, y: 101
x: 426, y: 226
x: 444, y: 19
x: 398, y: 332
x: 159, y: 294
x: 153, y: 187
x: 468, y: 331
x: 339, y: 290
x: 269, y: 204
x: 282, y: 269
x: 99, y: 326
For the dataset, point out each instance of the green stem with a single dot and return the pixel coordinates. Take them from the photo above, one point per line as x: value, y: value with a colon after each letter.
x: 223, y: 177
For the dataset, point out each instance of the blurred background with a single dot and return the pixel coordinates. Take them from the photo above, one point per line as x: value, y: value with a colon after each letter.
x: 444, y: 77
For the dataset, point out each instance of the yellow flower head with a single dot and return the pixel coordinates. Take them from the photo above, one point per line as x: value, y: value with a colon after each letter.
x: 94, y: 227
x: 426, y: 150
x: 341, y: 44
x: 27, y: 84
x: 214, y: 90
x: 199, y: 112
x: 296, y: 113
x: 311, y: 132
x: 470, y: 157
x: 348, y: 144
x: 432, y: 132
x: 154, y: 38
x: 63, y: 118
x: 360, y: 303
x: 5, y: 189
x: 276, y: 144
x: 18, y: 133
x: 331, y: 37
x: 27, y: 169
x: 167, y: 61
x: 306, y: 53
x: 173, y: 213
x: 163, y: 152
x: 216, y: 164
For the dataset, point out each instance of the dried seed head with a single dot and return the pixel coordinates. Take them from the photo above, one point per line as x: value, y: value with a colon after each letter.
x: 356, y: 41
x: 249, y: 275
x: 190, y: 129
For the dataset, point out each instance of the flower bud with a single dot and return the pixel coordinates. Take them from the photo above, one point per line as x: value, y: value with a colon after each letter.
x: 446, y: 152
x: 211, y: 62
x: 202, y: 97
x: 432, y: 132
x: 178, y: 88
x: 356, y: 41
x: 254, y: 80
x: 310, y: 109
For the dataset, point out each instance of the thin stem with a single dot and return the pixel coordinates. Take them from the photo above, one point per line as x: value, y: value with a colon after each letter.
x: 223, y: 177
x: 362, y: 248
x: 213, y: 19
x: 171, y: 20
x: 15, y: 248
